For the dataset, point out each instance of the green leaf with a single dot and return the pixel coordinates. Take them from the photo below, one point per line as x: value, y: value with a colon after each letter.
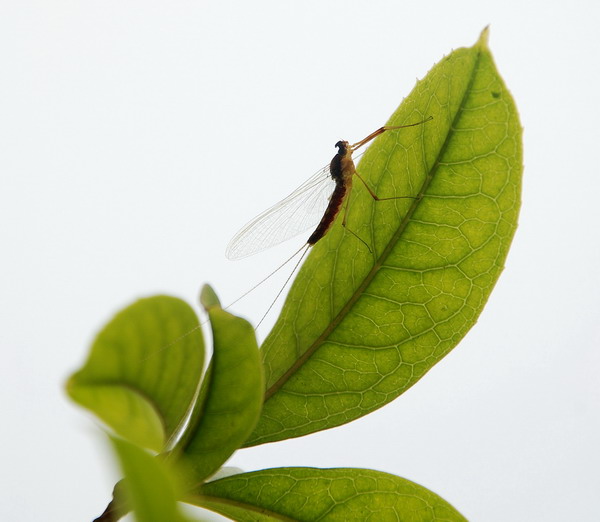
x: 359, y: 328
x: 231, y: 397
x: 150, y: 487
x: 343, y: 494
x: 143, y: 370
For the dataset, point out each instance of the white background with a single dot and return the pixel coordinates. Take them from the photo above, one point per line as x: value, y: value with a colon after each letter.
x: 136, y: 137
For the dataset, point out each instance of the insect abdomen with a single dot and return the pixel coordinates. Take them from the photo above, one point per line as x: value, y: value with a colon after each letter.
x: 334, y: 206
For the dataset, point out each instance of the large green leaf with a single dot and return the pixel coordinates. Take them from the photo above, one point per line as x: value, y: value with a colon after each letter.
x: 359, y: 328
x: 231, y: 397
x: 343, y: 494
x: 143, y: 370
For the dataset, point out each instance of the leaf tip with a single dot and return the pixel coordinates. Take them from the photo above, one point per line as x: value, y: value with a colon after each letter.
x: 208, y: 298
x: 482, y: 42
x: 70, y: 386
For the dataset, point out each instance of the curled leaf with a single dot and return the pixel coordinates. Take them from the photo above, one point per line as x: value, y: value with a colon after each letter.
x: 143, y: 370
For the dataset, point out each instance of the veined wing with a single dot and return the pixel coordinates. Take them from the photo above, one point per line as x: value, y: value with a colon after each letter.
x: 296, y: 213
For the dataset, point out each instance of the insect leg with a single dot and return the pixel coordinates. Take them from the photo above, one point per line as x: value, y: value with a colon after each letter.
x: 350, y: 230
x: 376, y: 197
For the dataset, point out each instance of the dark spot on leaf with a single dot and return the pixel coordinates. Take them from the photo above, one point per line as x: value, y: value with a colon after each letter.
x: 495, y: 94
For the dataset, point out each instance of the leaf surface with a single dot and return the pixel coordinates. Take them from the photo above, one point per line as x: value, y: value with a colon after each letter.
x: 143, y: 370
x: 359, y: 328
x: 311, y: 494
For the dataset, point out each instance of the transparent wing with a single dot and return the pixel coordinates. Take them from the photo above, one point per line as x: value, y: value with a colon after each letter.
x: 302, y: 209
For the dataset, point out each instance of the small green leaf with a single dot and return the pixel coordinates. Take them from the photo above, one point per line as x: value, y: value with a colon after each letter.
x: 343, y: 494
x: 231, y: 397
x: 359, y: 328
x: 150, y: 487
x: 143, y: 370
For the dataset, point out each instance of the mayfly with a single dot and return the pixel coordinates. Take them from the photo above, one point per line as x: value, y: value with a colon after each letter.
x: 304, y: 207
x: 319, y: 200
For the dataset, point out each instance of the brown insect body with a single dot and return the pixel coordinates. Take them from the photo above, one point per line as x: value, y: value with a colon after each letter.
x: 341, y: 169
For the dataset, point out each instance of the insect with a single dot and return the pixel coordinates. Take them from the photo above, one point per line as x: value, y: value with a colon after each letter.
x: 303, y: 208
x: 315, y: 201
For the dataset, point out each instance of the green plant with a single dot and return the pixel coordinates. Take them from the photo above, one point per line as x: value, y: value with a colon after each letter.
x: 358, y: 328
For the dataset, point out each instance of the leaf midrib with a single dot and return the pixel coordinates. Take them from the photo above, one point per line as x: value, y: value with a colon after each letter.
x: 239, y: 504
x: 384, y: 254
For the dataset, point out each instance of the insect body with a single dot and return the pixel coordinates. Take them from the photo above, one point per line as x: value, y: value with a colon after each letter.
x: 342, y: 169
